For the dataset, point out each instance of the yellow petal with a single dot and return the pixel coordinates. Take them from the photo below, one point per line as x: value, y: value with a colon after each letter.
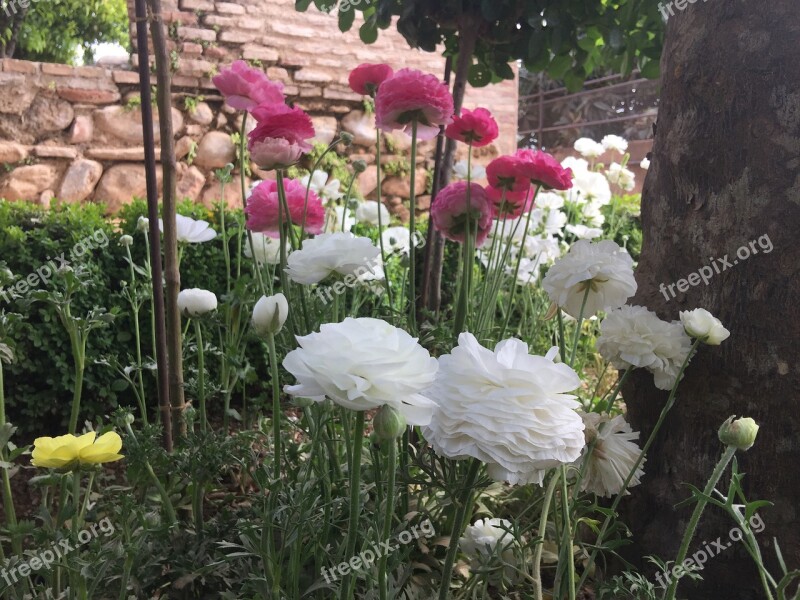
x: 105, y: 449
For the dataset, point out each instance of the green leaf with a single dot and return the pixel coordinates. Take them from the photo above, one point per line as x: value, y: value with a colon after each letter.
x: 651, y: 69
x: 559, y: 66
x: 368, y: 32
x: 479, y: 75
x: 302, y: 5
x: 346, y: 19
x: 574, y: 81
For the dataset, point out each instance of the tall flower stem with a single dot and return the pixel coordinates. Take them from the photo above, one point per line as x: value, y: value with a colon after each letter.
x: 537, y: 555
x: 276, y: 405
x: 579, y: 326
x: 460, y: 323
x: 391, y: 467
x: 379, y: 193
x: 8, y: 496
x: 138, y: 340
x: 412, y: 229
x: 201, y: 374
x: 348, y: 583
x: 242, y: 180
x: 566, y: 546
x: 613, y: 510
x: 688, y: 535
x: 463, y: 510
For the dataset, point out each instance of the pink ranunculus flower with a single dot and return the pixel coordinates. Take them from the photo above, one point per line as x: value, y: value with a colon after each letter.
x: 245, y: 88
x: 542, y: 168
x: 281, y: 132
x: 366, y: 79
x: 409, y: 96
x: 504, y: 173
x: 449, y: 212
x: 476, y: 127
x: 265, y: 213
x: 510, y: 205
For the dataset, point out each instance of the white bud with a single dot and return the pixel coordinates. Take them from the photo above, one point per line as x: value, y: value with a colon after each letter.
x: 195, y: 302
x: 143, y: 224
x: 269, y: 314
x: 126, y: 240
x: 701, y: 324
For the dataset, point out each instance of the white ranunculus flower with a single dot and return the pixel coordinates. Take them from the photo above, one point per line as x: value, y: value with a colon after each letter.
x: 322, y: 187
x: 588, y: 148
x: 619, y: 175
x: 488, y: 538
x: 578, y: 165
x: 267, y: 249
x: 634, y: 337
x: 613, y: 457
x: 362, y: 364
x: 269, y: 314
x: 143, y: 224
x: 614, y: 142
x: 336, y: 216
x: 553, y: 220
x: 582, y: 232
x: 460, y: 171
x: 590, y: 187
x: 701, y: 324
x: 645, y: 164
x: 126, y: 240
x: 602, y: 267
x: 341, y: 253
x: 593, y: 214
x: 396, y: 240
x: 190, y: 230
x: 195, y: 302
x: 507, y: 408
x: 550, y: 200
x: 543, y: 247
x: 367, y: 212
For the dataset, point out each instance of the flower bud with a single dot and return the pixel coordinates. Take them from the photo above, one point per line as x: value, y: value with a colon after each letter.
x: 388, y: 423
x: 347, y: 138
x: 143, y: 224
x: 359, y: 166
x: 126, y: 241
x: 701, y: 324
x: 196, y: 302
x: 269, y: 314
x: 740, y: 433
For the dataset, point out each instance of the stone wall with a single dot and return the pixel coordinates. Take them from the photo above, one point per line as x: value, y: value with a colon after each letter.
x: 74, y: 133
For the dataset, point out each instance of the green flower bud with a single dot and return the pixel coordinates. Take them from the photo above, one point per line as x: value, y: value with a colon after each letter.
x: 388, y: 423
x: 347, y: 138
x: 740, y: 433
x: 359, y: 166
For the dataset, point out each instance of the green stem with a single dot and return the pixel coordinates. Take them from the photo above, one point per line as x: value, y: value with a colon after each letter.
x: 568, y: 534
x: 8, y: 496
x: 460, y: 323
x: 348, y: 584
x: 577, y: 337
x: 688, y: 535
x: 379, y: 193
x: 78, y: 354
x: 383, y: 579
x: 537, y: 556
x: 412, y: 229
x: 138, y: 338
x: 613, y: 510
x: 276, y: 406
x: 201, y: 375
x: 165, y: 499
x: 242, y: 179
x: 463, y: 510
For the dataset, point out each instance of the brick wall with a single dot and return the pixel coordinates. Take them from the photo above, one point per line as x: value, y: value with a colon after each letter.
x: 75, y: 133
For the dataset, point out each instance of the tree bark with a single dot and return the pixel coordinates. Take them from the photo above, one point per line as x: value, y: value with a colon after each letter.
x: 171, y: 272
x: 724, y: 174
x: 11, y: 16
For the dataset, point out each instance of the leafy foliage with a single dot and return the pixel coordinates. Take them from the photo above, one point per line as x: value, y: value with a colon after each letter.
x: 569, y: 39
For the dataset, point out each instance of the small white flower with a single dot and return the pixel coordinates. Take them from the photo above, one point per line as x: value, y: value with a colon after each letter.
x: 590, y: 187
x: 267, y: 249
x: 396, y: 240
x: 339, y: 219
x: 362, y: 364
x: 634, y: 337
x: 191, y: 231
x: 143, y: 224
x: 613, y: 457
x: 588, y: 148
x: 584, y: 233
x: 269, y: 314
x: 645, y: 164
x: 341, y: 253
x: 614, y: 142
x: 506, y: 408
x: 619, y: 175
x: 488, y: 538
x: 322, y: 187
x: 126, y: 240
x: 555, y: 222
x: 367, y: 212
x: 550, y: 200
x: 593, y: 214
x: 701, y: 324
x: 603, y: 268
x: 195, y: 302
x: 460, y: 171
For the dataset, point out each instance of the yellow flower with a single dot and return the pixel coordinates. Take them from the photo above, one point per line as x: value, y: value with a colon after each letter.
x: 66, y: 450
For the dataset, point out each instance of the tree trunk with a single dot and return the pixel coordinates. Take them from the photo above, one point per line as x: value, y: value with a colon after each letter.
x: 171, y: 272
x: 724, y: 177
x: 11, y: 18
